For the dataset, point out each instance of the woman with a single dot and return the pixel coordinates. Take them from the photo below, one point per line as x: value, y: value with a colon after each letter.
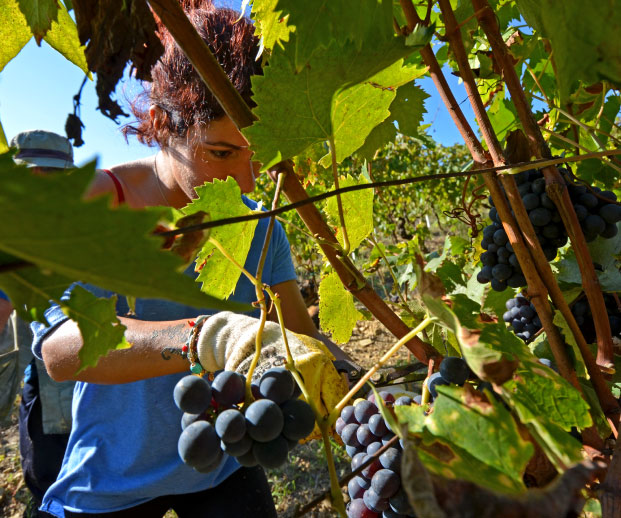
x: 121, y: 458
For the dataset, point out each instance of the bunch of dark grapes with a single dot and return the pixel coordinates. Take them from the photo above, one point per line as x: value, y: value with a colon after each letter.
x: 215, y: 421
x: 376, y: 492
x: 522, y: 317
x: 584, y: 318
x: 597, y: 216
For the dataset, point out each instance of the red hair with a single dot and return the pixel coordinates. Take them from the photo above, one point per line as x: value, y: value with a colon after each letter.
x: 176, y: 87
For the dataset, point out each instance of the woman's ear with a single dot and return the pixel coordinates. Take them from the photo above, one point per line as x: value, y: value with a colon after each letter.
x: 157, y: 116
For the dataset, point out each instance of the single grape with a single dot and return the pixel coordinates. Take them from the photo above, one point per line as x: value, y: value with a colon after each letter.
x: 363, y: 482
x: 277, y: 384
x: 357, y: 509
x: 228, y: 388
x: 385, y: 483
x: 500, y: 237
x: 588, y: 200
x: 364, y: 410
x: 339, y: 425
x: 199, y: 445
x: 377, y: 425
x: 433, y: 381
x: 231, y: 425
x: 546, y: 201
x: 352, y: 451
x: 365, y: 436
x: 531, y: 201
x: 391, y: 459
x: 299, y: 419
x: 581, y: 212
x: 403, y: 401
x: 192, y: 394
x: 399, y: 503
x: 610, y: 213
x: 188, y: 419
x: 498, y: 285
x: 540, y: 217
x: 371, y: 469
x: 454, y: 370
x: 594, y: 224
x: 271, y: 454
x: 264, y: 420
x: 374, y: 502
x: 248, y: 459
x: 354, y: 489
x: 348, y: 415
x: 539, y: 184
x: 212, y: 466
x: 610, y: 231
x: 374, y: 447
x: 501, y: 272
x: 358, y: 460
x: 349, y: 435
x: 238, y: 448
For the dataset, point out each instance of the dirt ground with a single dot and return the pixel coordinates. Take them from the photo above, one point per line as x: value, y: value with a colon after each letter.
x: 298, y: 482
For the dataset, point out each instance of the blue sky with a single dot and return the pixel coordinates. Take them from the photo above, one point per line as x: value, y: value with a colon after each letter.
x: 37, y: 89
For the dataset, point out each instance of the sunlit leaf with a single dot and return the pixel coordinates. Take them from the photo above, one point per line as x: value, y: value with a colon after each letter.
x: 337, y: 313
x: 63, y: 37
x: 14, y: 32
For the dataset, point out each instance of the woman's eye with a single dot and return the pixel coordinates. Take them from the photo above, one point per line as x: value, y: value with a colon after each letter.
x: 220, y: 153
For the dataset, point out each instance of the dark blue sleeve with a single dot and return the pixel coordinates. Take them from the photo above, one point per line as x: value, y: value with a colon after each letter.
x: 3, y: 295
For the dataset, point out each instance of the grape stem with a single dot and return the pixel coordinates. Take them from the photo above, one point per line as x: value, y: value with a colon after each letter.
x: 341, y: 404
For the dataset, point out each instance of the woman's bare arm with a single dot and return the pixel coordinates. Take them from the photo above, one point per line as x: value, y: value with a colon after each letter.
x: 155, y: 351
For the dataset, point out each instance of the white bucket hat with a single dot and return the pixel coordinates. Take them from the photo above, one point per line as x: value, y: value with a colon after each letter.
x: 40, y: 148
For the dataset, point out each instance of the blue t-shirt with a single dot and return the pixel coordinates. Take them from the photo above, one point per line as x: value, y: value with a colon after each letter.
x: 122, y: 450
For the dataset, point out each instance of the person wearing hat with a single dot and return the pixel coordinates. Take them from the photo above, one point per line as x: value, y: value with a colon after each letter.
x: 45, y: 408
x: 43, y: 151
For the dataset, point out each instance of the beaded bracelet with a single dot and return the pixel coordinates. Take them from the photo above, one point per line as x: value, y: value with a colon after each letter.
x: 189, y: 348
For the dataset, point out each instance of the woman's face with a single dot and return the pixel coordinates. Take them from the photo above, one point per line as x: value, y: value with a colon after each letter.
x: 215, y: 150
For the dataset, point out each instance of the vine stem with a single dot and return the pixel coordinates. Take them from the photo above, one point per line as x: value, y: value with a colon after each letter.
x: 555, y: 185
x: 339, y: 201
x: 369, y: 374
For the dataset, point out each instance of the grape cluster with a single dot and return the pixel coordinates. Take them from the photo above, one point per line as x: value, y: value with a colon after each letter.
x: 597, y: 216
x: 376, y: 492
x: 522, y: 317
x: 216, y: 422
x: 584, y: 318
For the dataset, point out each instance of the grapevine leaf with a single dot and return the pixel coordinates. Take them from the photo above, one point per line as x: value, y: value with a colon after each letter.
x: 4, y: 145
x: 271, y: 25
x: 539, y: 391
x: 39, y: 15
x: 63, y: 37
x: 604, y: 252
x: 560, y: 447
x: 502, y: 116
x: 98, y: 323
x: 495, y: 301
x: 337, y: 312
x: 561, y: 323
x: 320, y: 22
x: 413, y: 416
x: 296, y: 109
x: 409, y: 108
x: 14, y: 31
x: 222, y: 199
x: 53, y: 228
x: 451, y: 443
x: 357, y: 211
x: 31, y: 289
x: 584, y: 41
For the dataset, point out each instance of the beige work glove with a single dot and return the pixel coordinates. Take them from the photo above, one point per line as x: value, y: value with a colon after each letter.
x: 227, y: 341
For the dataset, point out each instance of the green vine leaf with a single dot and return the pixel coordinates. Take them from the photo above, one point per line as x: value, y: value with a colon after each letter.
x: 98, y: 323
x: 584, y: 41
x: 31, y: 289
x: 337, y: 313
x: 222, y: 199
x: 63, y: 37
x: 270, y: 22
x: 4, y: 145
x: 14, y: 32
x: 53, y: 228
x: 451, y: 444
x: 298, y: 108
x: 39, y: 15
x: 357, y: 211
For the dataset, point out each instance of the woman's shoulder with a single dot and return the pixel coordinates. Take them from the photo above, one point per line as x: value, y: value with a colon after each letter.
x: 122, y: 180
